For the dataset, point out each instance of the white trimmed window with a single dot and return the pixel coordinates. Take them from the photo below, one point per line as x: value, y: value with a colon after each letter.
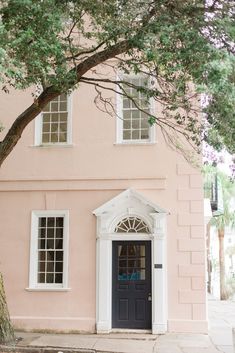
x: 53, y: 126
x: 49, y: 250
x: 132, y: 123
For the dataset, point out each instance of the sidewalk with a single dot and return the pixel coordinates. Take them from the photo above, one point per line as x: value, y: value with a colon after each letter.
x: 221, y: 321
x: 221, y: 317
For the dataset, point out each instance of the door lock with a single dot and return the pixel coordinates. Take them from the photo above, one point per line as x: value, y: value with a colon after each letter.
x: 149, y: 297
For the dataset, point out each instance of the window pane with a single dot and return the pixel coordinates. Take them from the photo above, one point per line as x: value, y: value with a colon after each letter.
x: 49, y: 277
x: 59, y: 232
x: 54, y: 117
x: 63, y: 106
x: 63, y: 117
x: 135, y: 134
x: 58, y: 244
x: 144, y: 134
x: 42, y: 222
x: 54, y: 106
x: 126, y: 114
x: 41, y: 243
x: 63, y: 127
x: 135, y: 104
x: 135, y: 114
x: 59, y: 255
x: 50, y: 222
x: 42, y: 232
x: 50, y: 232
x: 50, y: 266
x: 59, y: 278
x: 126, y: 124
x: 50, y: 243
x: 59, y: 266
x: 46, y: 127
x: 54, y: 137
x: 144, y: 123
x: 50, y: 255
x: 138, y: 124
x: 54, y: 127
x: 126, y: 103
x: 131, y: 259
x: 59, y: 222
x: 50, y: 250
x: 46, y: 118
x: 126, y: 135
x: 41, y: 266
x: 41, y: 277
x: 45, y: 138
x: 142, y: 274
x: 55, y: 113
x: 122, y: 274
x: 41, y: 255
x: 62, y: 137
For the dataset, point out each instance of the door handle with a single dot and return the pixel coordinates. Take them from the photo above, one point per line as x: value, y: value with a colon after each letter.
x: 149, y: 297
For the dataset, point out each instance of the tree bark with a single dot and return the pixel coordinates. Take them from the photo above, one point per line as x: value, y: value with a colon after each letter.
x: 17, y: 128
x: 223, y: 291
x: 6, y: 330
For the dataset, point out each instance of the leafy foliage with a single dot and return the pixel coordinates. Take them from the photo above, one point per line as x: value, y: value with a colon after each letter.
x: 227, y: 217
x: 185, y: 48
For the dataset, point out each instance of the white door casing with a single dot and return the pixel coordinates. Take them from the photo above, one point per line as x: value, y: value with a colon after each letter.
x: 130, y: 203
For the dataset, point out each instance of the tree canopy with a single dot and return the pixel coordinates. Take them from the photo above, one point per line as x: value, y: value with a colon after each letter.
x: 185, y: 48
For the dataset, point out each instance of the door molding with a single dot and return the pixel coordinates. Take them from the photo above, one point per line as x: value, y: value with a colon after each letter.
x: 107, y: 218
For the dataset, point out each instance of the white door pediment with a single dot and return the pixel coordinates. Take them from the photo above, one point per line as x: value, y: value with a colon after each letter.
x: 135, y: 206
x: 131, y: 203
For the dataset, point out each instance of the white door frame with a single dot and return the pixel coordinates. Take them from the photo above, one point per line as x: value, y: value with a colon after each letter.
x: 104, y: 271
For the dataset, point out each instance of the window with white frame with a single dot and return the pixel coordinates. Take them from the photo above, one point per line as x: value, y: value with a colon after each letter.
x: 48, y: 261
x: 133, y: 112
x: 53, y: 125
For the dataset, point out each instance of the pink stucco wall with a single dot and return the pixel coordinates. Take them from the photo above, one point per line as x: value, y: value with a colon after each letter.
x: 80, y: 178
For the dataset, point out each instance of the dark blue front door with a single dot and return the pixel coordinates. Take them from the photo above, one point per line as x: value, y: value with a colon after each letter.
x: 131, y: 301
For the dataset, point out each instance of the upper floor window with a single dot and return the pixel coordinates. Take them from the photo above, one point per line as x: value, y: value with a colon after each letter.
x: 53, y: 126
x: 48, y: 261
x: 133, y: 113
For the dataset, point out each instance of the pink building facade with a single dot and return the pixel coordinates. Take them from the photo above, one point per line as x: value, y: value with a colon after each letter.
x: 102, y: 224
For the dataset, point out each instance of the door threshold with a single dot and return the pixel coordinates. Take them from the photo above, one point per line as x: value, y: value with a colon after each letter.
x: 128, y: 330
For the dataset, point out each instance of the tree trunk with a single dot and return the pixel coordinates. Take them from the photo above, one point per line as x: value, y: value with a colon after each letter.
x: 209, y: 267
x: 6, y: 330
x: 223, y: 292
x: 14, y: 133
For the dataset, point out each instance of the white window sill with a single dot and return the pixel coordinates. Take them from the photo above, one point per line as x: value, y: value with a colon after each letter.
x: 41, y: 289
x: 135, y: 143
x: 53, y: 145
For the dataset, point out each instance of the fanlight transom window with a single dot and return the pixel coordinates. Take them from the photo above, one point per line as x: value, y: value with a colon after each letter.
x: 132, y: 225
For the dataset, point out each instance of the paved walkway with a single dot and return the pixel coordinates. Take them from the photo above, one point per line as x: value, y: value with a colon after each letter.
x: 221, y: 317
x: 221, y: 321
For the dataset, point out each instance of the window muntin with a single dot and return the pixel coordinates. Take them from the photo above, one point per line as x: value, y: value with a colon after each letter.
x: 55, y: 121
x: 49, y: 250
x: 131, y: 262
x: 135, y: 122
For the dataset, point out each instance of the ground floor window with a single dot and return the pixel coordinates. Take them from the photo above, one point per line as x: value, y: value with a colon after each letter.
x: 48, y: 263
